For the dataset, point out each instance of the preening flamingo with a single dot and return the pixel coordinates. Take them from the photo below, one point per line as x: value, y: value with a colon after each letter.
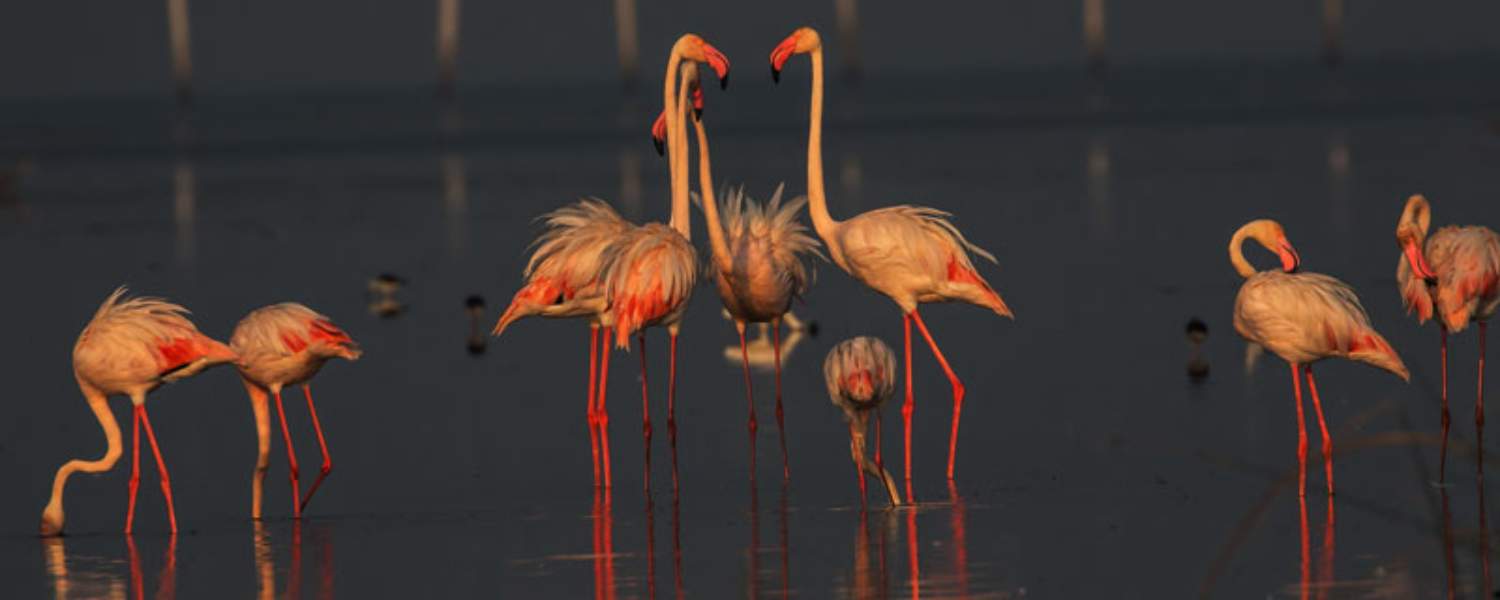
x: 652, y: 270
x: 861, y: 375
x: 911, y: 254
x: 757, y: 257
x: 1453, y: 274
x: 130, y: 347
x: 564, y: 279
x: 1303, y: 318
x: 278, y: 346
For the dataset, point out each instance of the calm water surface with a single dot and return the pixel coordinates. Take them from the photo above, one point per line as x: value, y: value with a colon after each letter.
x: 1089, y: 464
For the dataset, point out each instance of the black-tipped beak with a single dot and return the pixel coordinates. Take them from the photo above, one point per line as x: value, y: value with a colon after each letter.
x: 724, y: 82
x: 661, y: 150
x: 775, y: 74
x: 698, y: 113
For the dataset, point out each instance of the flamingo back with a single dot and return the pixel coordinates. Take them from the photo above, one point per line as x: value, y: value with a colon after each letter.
x: 860, y: 373
x: 649, y: 278
x: 915, y: 254
x: 1305, y: 317
x: 773, y: 226
x: 1467, y: 263
x: 286, y: 329
x: 563, y: 274
x: 136, y: 343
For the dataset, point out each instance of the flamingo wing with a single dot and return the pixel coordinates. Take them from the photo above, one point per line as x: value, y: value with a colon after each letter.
x: 1467, y: 262
x: 1304, y: 317
x: 649, y: 278
x: 914, y: 254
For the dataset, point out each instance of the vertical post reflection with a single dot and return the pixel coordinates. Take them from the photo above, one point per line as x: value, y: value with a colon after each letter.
x: 181, y: 42
x: 627, y: 41
x: 456, y: 200
x: 1101, y: 211
x: 846, y: 14
x: 447, y: 46
x: 1333, y: 32
x: 1093, y: 34
x: 1339, y: 163
x: 630, y: 182
x: 184, y: 209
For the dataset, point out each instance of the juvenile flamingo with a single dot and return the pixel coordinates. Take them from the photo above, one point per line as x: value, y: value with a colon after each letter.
x: 757, y: 257
x: 1455, y: 275
x: 130, y: 347
x: 1303, y: 318
x: 283, y: 345
x: 911, y: 254
x: 861, y: 375
x: 652, y: 270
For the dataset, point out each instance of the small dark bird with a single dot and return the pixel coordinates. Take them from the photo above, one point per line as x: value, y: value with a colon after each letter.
x: 1197, y: 367
x: 381, y: 291
x: 386, y: 284
x: 474, y: 305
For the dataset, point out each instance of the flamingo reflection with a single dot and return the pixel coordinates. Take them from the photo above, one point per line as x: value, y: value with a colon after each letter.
x: 265, y: 563
x: 104, y: 581
x: 604, y: 544
x: 1325, y: 578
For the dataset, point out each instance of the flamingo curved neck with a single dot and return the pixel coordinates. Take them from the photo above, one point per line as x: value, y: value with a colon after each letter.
x: 52, y: 515
x: 1237, y: 254
x: 676, y: 140
x: 716, y: 241
x: 817, y: 201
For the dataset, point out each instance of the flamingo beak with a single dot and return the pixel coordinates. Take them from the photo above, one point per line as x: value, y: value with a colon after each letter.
x: 658, y: 138
x: 1290, y: 260
x: 1418, y: 261
x: 719, y: 63
x: 698, y: 102
x: 510, y: 316
x: 780, y: 54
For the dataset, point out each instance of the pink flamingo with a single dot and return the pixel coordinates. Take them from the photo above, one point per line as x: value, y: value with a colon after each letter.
x: 861, y: 375
x: 564, y: 281
x: 131, y: 347
x: 757, y: 256
x: 1303, y: 318
x: 911, y: 254
x: 1454, y: 274
x: 283, y: 345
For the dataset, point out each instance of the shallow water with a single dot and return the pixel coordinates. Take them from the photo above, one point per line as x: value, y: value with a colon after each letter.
x: 1089, y: 464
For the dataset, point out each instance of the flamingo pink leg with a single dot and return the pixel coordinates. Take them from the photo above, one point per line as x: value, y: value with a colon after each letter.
x: 161, y: 469
x: 786, y: 472
x: 745, y: 364
x: 593, y: 383
x: 1312, y: 386
x: 958, y: 390
x: 1443, y: 452
x: 1301, y: 433
x: 909, y: 406
x: 1479, y: 404
x: 672, y: 402
x: 600, y: 409
x: 291, y: 458
x: 322, y: 445
x: 135, y: 466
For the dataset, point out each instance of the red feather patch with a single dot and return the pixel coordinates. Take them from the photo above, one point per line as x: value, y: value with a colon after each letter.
x: 176, y: 353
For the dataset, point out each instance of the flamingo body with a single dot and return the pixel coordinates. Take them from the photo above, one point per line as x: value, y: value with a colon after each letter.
x: 649, y: 280
x: 1466, y: 261
x: 1307, y: 317
x: 564, y: 273
x: 913, y: 255
x: 861, y: 375
x: 765, y: 243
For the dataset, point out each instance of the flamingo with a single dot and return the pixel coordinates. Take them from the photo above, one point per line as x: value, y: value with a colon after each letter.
x: 861, y: 375
x: 653, y: 268
x: 1303, y: 318
x: 283, y: 345
x: 910, y: 254
x: 1455, y: 276
x: 757, y: 257
x: 131, y: 347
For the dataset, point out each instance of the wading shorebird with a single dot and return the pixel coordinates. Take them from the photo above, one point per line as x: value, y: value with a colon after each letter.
x: 278, y: 346
x: 910, y: 254
x: 861, y: 375
x: 1303, y: 318
x: 1453, y: 275
x: 130, y: 347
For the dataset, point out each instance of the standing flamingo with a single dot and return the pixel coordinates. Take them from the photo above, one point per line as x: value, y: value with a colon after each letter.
x: 653, y: 268
x: 564, y: 280
x: 283, y: 345
x: 757, y: 260
x: 861, y: 375
x: 911, y: 254
x: 1454, y: 274
x: 1303, y: 318
x: 130, y: 347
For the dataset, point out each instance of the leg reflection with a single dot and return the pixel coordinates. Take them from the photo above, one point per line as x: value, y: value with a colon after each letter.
x: 752, y: 580
x: 914, y: 570
x: 1448, y: 544
x: 1325, y: 564
x: 786, y: 558
x: 960, y: 546
x: 1306, y: 580
x: 676, y: 546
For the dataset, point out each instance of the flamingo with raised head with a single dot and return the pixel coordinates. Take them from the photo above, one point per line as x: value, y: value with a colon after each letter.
x: 910, y: 254
x: 861, y: 375
x: 131, y: 347
x: 758, y: 256
x: 1453, y: 275
x: 1303, y: 318
x: 278, y: 346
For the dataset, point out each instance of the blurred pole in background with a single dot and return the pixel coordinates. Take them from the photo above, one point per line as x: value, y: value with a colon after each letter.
x: 1101, y: 210
x: 846, y: 12
x: 1093, y: 34
x: 456, y: 200
x: 630, y: 182
x: 627, y: 41
x: 1333, y: 32
x: 447, y: 47
x: 184, y: 209
x: 182, y: 55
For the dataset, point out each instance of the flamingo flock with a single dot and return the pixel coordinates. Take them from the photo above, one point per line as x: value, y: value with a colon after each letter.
x: 622, y: 279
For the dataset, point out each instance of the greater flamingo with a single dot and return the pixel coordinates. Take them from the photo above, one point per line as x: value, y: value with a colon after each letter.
x: 757, y: 258
x: 564, y: 280
x: 131, y: 347
x: 1453, y: 274
x: 1303, y: 318
x: 278, y: 346
x: 653, y: 268
x: 911, y: 254
x: 861, y: 375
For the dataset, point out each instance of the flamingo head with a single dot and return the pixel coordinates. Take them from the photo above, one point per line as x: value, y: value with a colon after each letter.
x: 694, y: 48
x: 1270, y: 234
x: 1411, y: 235
x: 801, y: 41
x: 659, y: 128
